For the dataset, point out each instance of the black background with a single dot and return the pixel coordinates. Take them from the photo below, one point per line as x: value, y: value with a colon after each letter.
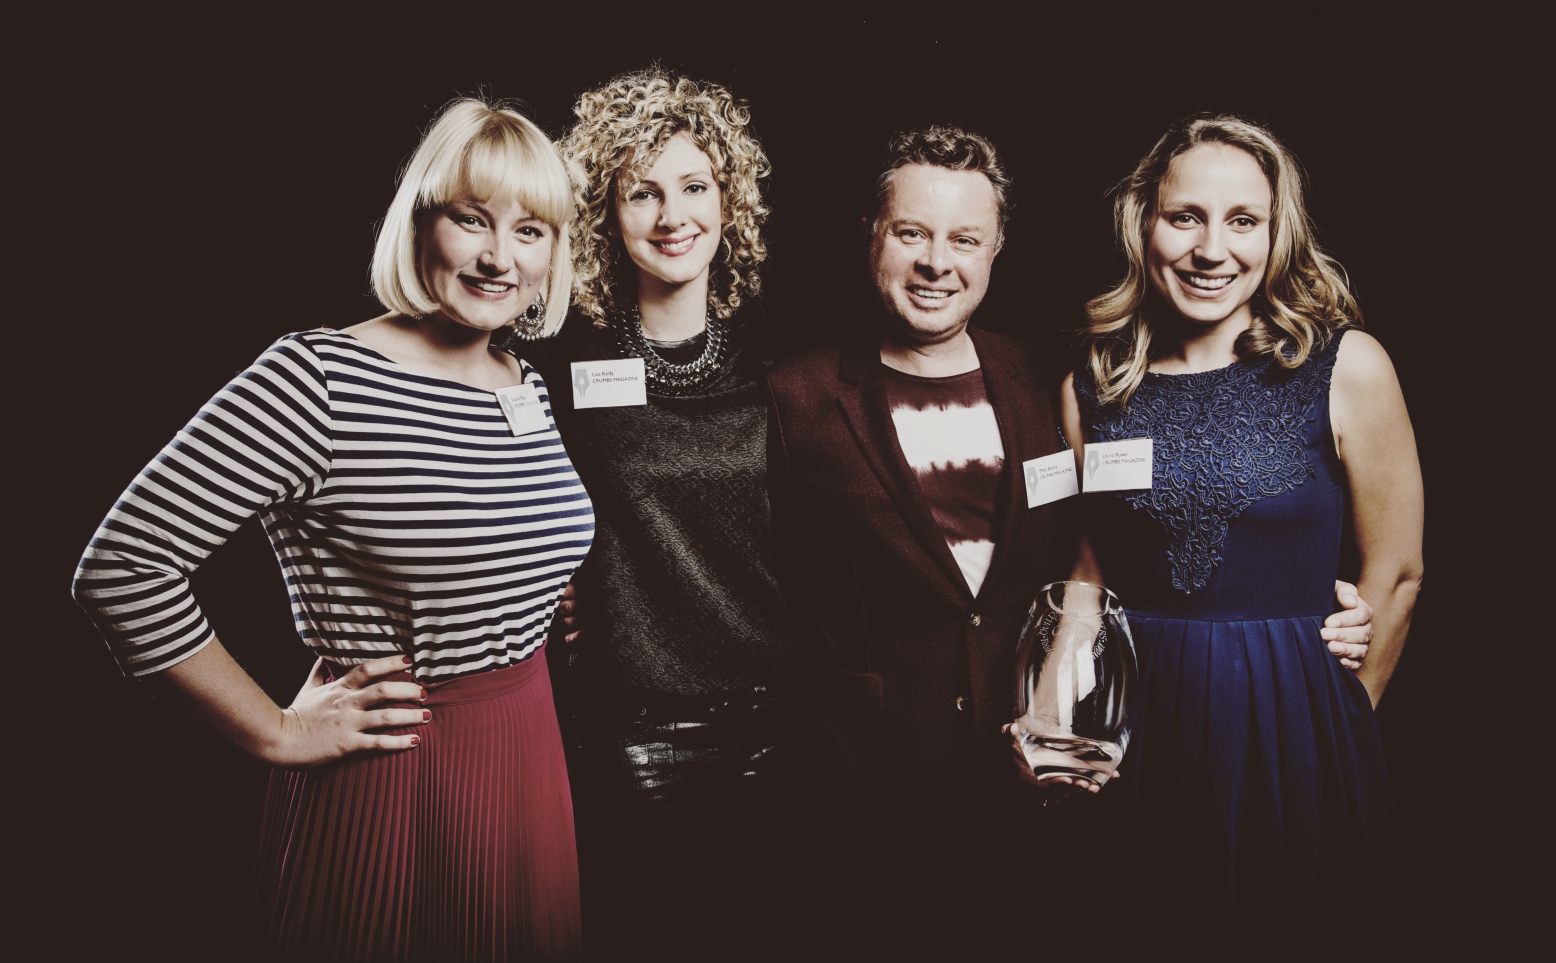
x: 195, y: 191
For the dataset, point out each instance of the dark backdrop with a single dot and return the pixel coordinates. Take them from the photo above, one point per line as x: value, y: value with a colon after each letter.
x: 198, y: 198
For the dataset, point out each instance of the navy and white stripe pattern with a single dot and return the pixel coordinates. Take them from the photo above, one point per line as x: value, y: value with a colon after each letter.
x: 406, y: 515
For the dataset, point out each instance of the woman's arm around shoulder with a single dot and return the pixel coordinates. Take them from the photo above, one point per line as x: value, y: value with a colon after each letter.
x: 1375, y: 442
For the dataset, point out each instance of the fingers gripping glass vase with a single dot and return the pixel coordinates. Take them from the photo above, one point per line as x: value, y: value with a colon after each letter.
x: 1075, y: 675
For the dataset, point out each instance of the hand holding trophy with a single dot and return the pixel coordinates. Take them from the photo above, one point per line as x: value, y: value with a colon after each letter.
x: 1075, y: 672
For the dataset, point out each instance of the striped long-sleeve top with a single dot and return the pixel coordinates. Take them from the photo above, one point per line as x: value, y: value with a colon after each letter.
x: 406, y: 514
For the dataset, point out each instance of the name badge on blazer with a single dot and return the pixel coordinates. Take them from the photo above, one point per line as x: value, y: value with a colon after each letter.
x: 1118, y: 465
x: 609, y: 384
x: 1050, y: 478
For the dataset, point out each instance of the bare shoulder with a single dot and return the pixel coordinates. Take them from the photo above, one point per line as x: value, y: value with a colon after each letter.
x: 1070, y: 413
x: 1361, y: 363
x: 1364, y: 395
x: 1069, y: 401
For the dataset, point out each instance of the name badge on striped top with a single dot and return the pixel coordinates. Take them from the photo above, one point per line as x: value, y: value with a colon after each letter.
x: 521, y: 404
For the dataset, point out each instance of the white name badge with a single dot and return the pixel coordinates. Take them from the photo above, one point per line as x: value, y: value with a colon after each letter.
x: 1050, y: 478
x: 609, y: 384
x: 1118, y: 465
x: 521, y: 404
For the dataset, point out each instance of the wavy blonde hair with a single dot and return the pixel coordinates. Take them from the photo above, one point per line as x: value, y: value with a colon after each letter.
x: 1302, y: 301
x: 621, y: 129
x: 483, y: 150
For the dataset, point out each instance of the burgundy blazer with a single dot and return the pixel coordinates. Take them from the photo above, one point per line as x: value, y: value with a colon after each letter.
x: 910, y: 674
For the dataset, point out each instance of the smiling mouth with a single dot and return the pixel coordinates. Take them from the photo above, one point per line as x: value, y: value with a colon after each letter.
x: 675, y: 246
x: 929, y: 294
x: 488, y: 287
x: 1205, y: 283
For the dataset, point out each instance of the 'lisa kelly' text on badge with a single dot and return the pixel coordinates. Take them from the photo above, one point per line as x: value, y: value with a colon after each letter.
x: 1050, y: 478
x: 1117, y: 465
x: 521, y: 403
x: 609, y: 384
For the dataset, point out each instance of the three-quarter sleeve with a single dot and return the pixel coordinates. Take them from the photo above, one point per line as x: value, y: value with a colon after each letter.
x: 263, y: 439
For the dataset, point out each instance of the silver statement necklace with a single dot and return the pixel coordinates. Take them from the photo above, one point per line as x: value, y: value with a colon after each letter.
x: 665, y: 377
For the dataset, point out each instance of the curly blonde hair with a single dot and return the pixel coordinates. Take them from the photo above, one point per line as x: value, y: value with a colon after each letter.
x: 1302, y: 301
x: 621, y: 129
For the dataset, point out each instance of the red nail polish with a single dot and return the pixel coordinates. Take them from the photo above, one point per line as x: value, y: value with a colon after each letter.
x: 406, y: 659
x: 426, y: 715
x: 415, y: 740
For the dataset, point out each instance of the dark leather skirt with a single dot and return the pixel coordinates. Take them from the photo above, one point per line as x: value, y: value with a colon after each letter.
x: 686, y: 828
x: 669, y: 765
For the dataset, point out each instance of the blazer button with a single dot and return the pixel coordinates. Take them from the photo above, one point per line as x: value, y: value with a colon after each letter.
x: 961, y: 703
x: 975, y: 620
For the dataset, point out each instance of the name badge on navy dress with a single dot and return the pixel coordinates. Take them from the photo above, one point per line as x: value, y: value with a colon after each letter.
x: 1118, y: 465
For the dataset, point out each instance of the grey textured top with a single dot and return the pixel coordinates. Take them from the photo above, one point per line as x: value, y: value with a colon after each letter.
x: 678, y: 595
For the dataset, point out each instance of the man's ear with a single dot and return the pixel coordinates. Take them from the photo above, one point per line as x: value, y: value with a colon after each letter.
x: 999, y: 245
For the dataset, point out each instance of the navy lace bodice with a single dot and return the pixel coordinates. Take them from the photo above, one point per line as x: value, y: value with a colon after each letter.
x: 1255, y: 758
x: 1247, y: 502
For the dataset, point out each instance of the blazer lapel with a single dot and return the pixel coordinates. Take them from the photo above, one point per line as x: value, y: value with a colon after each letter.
x: 1024, y: 436
x: 863, y: 402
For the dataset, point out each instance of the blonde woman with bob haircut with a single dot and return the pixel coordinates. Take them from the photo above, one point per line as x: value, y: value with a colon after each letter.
x: 676, y: 693
x: 1277, y: 430
x: 427, y: 519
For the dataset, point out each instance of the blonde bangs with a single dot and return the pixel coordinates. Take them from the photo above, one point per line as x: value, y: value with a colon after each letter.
x: 488, y: 152
x: 501, y: 164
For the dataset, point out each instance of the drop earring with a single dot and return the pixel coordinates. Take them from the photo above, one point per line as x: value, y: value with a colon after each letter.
x: 527, y: 325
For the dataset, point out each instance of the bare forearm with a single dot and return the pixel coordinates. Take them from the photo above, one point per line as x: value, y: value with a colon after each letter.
x: 220, y: 693
x: 326, y: 721
x: 1393, y: 602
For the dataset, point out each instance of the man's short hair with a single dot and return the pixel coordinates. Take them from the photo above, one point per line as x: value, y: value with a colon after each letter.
x: 954, y: 149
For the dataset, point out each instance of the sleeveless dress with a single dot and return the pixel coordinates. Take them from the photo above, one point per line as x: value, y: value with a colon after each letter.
x: 1255, y: 770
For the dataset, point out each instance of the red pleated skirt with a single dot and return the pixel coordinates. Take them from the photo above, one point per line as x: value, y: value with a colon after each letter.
x: 460, y: 849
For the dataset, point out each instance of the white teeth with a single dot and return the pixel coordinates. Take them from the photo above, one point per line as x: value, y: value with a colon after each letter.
x: 493, y: 287
x: 1209, y: 284
x: 930, y: 294
x: 676, y: 247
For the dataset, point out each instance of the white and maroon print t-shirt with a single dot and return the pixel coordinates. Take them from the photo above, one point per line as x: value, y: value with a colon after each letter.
x: 947, y: 431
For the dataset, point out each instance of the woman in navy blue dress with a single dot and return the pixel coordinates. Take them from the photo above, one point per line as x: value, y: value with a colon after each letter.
x: 1234, y: 344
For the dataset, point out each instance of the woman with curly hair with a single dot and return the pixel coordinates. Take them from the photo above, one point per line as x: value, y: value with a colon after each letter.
x: 1275, y: 424
x: 427, y: 519
x: 674, y: 697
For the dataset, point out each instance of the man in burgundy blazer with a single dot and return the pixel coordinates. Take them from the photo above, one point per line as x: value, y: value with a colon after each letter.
x: 910, y: 672
x: 923, y: 829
